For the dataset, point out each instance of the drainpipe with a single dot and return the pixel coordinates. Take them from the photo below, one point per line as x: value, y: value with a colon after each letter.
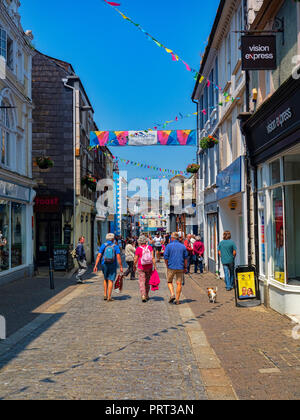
x: 65, y: 82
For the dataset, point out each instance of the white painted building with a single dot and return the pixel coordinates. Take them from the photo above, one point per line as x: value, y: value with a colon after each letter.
x: 16, y: 185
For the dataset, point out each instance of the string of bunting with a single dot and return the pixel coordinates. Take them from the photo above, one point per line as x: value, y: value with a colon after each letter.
x: 175, y: 57
x: 141, y: 165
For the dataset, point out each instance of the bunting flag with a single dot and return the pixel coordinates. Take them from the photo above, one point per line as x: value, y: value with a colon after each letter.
x: 142, y: 165
x: 143, y: 138
x: 174, y: 56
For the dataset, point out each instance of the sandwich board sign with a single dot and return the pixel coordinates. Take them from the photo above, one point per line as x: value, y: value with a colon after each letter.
x: 246, y: 287
x: 259, y: 52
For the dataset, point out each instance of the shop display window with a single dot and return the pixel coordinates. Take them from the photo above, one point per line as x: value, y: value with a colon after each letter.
x: 278, y: 242
x: 292, y: 168
x: 18, y: 224
x: 275, y: 172
x: 4, y: 235
x: 292, y: 227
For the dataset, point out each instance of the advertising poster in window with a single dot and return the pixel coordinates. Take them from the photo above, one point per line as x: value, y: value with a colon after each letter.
x: 246, y: 285
x: 279, y: 250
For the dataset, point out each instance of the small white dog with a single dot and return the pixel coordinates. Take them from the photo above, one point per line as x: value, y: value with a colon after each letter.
x: 212, y: 294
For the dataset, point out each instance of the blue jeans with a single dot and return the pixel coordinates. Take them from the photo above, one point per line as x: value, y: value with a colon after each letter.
x: 229, y: 275
x: 198, y: 263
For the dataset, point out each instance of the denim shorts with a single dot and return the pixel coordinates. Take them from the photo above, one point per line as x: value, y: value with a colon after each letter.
x: 109, y: 271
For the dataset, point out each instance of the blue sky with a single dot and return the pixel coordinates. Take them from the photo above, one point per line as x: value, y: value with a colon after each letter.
x: 132, y: 83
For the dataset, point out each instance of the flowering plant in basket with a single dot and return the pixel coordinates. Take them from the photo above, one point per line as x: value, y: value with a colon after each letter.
x: 90, y: 182
x: 44, y: 162
x: 193, y: 168
x: 208, y: 142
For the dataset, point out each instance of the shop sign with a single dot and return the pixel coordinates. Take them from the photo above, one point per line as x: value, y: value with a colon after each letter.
x: 229, y: 181
x: 46, y: 204
x: 277, y: 129
x: 14, y: 191
x: 259, y: 52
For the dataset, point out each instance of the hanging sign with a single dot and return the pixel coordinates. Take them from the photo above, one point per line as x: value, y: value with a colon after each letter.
x: 144, y: 138
x: 259, y: 52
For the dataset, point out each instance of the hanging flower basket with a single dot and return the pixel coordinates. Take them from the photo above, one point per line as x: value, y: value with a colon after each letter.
x: 208, y: 142
x: 44, y: 162
x: 193, y: 169
x: 90, y: 182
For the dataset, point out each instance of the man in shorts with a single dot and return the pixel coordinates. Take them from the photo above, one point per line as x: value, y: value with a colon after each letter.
x: 110, y: 256
x: 176, y: 260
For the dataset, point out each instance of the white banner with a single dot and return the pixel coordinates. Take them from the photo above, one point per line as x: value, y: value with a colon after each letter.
x: 142, y: 138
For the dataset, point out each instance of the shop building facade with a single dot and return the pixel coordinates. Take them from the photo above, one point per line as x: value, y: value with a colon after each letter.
x: 272, y: 132
x: 62, y: 120
x: 16, y: 184
x: 223, y: 173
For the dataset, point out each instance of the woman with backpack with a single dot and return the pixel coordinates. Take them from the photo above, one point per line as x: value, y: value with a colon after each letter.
x: 109, y: 255
x: 144, y: 260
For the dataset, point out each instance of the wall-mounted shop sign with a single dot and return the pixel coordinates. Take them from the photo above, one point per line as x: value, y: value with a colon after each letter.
x: 229, y: 181
x: 276, y: 126
x: 46, y: 204
x: 259, y: 52
x: 14, y: 191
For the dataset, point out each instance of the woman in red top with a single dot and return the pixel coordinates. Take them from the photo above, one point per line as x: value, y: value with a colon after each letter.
x: 144, y: 271
x: 198, y: 251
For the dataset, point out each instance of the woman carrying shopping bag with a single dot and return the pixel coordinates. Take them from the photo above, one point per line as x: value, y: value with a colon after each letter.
x: 145, y: 261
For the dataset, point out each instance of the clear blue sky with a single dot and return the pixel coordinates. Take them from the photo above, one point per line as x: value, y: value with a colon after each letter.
x: 132, y: 83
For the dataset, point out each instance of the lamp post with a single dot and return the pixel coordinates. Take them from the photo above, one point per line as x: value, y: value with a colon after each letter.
x: 68, y: 213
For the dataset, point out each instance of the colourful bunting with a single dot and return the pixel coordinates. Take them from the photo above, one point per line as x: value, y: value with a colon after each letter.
x: 175, y: 57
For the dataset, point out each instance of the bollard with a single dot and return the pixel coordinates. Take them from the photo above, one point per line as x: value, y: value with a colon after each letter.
x: 51, y: 274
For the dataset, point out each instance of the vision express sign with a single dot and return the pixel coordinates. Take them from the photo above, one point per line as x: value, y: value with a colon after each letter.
x: 258, y: 52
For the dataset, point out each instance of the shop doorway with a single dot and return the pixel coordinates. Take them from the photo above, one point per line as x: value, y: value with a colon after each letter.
x: 49, y: 234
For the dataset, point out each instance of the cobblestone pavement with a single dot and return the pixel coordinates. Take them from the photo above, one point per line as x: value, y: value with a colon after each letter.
x: 255, y: 346
x: 126, y: 349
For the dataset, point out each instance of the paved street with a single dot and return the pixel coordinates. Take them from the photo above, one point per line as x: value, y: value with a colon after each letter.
x: 80, y: 347
x: 90, y: 348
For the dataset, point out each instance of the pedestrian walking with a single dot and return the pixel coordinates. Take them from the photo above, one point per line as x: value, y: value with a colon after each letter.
x: 189, y: 248
x: 129, y: 258
x: 81, y: 260
x: 176, y: 259
x: 157, y: 243
x: 145, y: 261
x: 110, y: 256
x: 227, y: 251
x: 198, y: 251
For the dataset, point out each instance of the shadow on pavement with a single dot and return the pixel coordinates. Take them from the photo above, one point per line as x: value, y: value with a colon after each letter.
x: 22, y: 301
x: 21, y: 346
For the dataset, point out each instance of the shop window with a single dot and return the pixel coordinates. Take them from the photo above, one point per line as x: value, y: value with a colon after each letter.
x: 278, y: 242
x: 18, y: 225
x: 292, y: 168
x: 275, y: 172
x: 4, y: 235
x: 292, y: 223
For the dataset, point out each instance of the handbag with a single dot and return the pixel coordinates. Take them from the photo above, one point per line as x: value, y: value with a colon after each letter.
x: 119, y: 282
